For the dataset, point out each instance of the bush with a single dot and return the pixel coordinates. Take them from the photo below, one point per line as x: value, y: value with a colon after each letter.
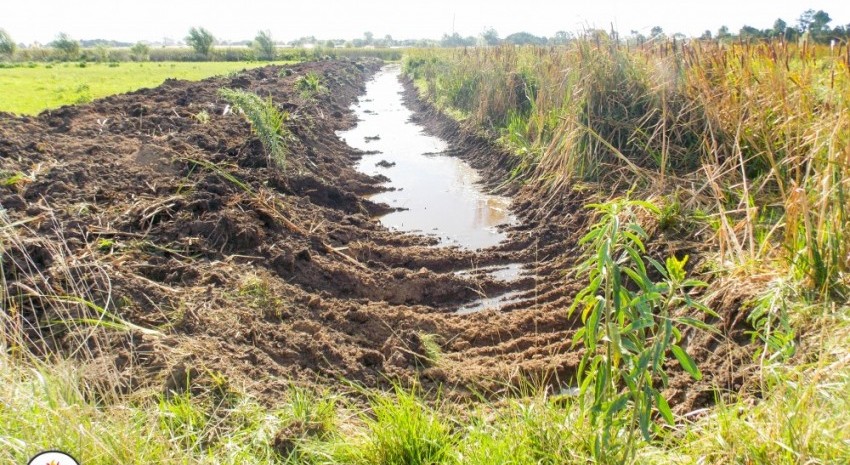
x: 69, y: 48
x: 140, y: 52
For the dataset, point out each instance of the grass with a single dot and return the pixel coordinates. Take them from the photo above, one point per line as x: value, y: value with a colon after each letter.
x: 31, y: 90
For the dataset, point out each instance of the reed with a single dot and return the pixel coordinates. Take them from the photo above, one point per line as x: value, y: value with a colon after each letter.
x: 758, y: 133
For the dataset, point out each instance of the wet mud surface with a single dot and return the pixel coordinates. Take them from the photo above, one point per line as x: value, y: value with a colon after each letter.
x: 179, y: 223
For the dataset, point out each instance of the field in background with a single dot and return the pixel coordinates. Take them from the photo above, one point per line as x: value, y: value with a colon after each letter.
x: 29, y: 90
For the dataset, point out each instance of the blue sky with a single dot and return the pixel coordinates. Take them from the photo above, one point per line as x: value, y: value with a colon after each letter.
x: 153, y: 20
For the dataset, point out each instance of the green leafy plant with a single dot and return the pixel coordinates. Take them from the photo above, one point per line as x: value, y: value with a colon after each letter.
x: 310, y: 85
x: 629, y: 328
x: 266, y: 120
x: 202, y: 117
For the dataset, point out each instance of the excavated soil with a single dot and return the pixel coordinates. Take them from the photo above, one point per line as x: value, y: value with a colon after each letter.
x: 162, y: 207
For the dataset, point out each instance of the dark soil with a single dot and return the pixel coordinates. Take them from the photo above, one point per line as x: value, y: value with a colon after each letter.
x: 133, y: 198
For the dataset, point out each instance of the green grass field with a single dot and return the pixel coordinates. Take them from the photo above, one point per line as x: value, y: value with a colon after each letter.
x: 31, y: 90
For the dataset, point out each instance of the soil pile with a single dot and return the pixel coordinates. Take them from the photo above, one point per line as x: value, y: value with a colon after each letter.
x: 161, y: 207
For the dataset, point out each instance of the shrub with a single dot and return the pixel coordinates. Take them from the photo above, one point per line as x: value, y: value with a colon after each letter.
x: 68, y: 47
x: 140, y: 52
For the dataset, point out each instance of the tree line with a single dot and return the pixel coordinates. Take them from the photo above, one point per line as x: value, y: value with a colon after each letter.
x: 811, y: 25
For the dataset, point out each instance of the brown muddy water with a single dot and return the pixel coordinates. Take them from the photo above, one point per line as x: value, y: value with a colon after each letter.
x: 440, y: 195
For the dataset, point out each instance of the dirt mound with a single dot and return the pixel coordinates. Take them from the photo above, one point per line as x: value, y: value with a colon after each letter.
x: 166, y: 207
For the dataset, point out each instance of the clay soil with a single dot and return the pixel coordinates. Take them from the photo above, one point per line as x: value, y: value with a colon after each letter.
x: 178, y: 223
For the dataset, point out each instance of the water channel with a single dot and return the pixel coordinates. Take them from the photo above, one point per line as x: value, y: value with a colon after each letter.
x: 440, y: 194
x: 437, y: 194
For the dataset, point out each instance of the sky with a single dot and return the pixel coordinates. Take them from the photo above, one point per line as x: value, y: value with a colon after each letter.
x: 152, y: 20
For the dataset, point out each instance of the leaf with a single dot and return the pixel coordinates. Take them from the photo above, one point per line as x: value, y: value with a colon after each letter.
x: 635, y: 240
x: 637, y: 229
x: 647, y: 205
x: 636, y: 278
x: 686, y: 361
x: 664, y: 407
x: 658, y: 266
x: 617, y: 405
x: 694, y: 323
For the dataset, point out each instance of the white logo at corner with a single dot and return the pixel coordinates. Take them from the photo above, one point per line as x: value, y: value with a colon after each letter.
x: 53, y: 457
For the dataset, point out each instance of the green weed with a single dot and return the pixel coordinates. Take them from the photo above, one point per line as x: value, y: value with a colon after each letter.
x: 629, y: 328
x: 267, y: 122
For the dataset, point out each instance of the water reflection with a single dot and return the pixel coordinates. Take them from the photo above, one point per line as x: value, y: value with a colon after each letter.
x: 440, y: 192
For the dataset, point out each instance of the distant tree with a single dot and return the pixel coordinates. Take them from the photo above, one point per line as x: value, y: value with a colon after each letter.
x: 201, y: 40
x: 525, y: 38
x: 490, y: 37
x: 388, y: 41
x: 330, y: 44
x: 69, y: 47
x: 368, y: 37
x: 7, y: 45
x: 815, y: 23
x: 656, y: 33
x: 723, y: 33
x: 264, y: 45
x: 638, y: 38
x: 561, y: 38
x: 820, y: 25
x: 706, y: 35
x: 455, y: 40
x: 779, y: 27
x: 749, y: 32
x: 140, y: 51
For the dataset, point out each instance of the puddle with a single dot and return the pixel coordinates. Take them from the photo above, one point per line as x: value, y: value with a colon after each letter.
x: 486, y: 303
x: 508, y: 273
x: 440, y: 193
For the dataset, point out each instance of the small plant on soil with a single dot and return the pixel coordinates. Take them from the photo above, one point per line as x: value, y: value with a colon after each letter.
x: 14, y: 180
x: 629, y: 328
x: 266, y: 121
x: 431, y: 348
x: 202, y: 117
x: 310, y: 85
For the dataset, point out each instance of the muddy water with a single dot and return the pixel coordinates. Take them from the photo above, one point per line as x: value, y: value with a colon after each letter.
x: 440, y: 194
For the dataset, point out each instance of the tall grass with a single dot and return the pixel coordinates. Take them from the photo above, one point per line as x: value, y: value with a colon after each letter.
x: 758, y: 133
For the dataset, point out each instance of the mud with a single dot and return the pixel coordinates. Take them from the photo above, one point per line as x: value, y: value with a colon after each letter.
x: 182, y: 226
